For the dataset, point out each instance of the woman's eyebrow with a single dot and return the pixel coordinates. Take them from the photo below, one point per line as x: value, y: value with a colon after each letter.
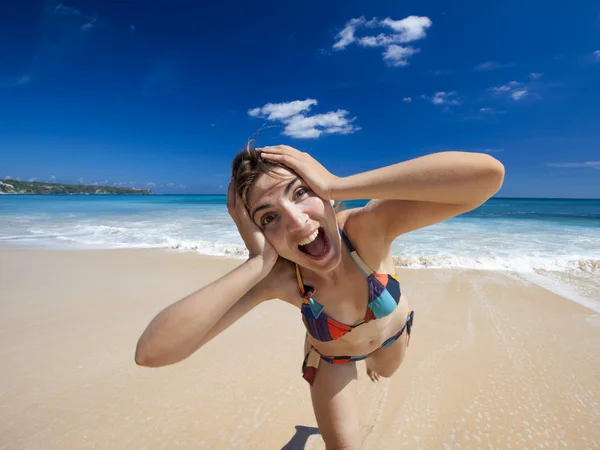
x: 289, y: 186
x: 268, y: 205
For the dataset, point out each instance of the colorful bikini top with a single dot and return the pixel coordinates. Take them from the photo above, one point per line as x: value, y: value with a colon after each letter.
x: 384, y: 295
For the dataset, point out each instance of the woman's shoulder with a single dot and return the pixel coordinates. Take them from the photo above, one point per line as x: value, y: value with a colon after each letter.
x: 357, y: 224
x: 366, y: 238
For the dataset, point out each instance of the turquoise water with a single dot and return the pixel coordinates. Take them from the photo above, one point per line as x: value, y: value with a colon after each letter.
x: 557, y: 240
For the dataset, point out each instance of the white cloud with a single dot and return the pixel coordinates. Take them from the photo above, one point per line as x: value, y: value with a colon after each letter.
x: 491, y: 65
x: 381, y: 40
x: 513, y: 89
x: 334, y: 122
x: 493, y: 150
x: 443, y: 98
x: 346, y: 36
x: 89, y: 22
x: 396, y: 55
x: 66, y: 10
x: 7, y: 177
x: 597, y: 54
x: 407, y: 99
x: 81, y: 180
x: 88, y: 26
x: 409, y: 29
x: 508, y: 87
x: 150, y: 184
x: 53, y: 177
x: 170, y: 185
x: 592, y: 164
x: 32, y: 179
x: 18, y: 178
x: 299, y: 125
x: 535, y: 75
x: 518, y: 94
x: 490, y: 111
x: 281, y: 111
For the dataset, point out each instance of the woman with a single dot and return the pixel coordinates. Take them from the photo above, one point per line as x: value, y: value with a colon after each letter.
x: 335, y: 266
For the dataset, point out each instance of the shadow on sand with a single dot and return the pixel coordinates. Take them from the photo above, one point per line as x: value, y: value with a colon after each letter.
x: 298, y: 440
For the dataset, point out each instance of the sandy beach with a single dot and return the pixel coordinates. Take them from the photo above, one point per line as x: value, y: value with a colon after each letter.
x: 493, y: 362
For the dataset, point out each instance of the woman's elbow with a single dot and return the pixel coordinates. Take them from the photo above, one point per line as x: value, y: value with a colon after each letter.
x: 145, y: 358
x: 489, y: 173
x: 495, y: 173
x: 148, y: 356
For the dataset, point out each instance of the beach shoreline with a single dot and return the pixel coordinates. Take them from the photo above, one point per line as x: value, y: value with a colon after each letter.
x: 493, y: 361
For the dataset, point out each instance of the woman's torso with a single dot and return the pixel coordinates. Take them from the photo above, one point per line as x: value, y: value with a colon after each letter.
x: 346, y: 300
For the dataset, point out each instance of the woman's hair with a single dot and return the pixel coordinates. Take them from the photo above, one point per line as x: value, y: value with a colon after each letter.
x: 248, y: 166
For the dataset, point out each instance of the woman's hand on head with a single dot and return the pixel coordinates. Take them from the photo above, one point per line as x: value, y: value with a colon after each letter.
x: 254, y: 239
x: 318, y: 178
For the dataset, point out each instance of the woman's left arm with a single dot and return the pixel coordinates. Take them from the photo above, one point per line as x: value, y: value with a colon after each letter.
x: 410, y: 194
x: 423, y: 191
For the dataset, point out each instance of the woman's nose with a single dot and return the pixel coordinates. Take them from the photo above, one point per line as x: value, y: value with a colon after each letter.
x: 296, y: 219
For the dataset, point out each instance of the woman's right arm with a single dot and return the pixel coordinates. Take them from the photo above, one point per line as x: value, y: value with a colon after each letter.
x: 183, y: 327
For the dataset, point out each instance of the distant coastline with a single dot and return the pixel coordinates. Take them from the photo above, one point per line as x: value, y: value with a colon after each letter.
x: 33, y: 187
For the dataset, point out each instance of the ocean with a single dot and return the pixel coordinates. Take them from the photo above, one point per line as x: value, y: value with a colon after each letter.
x: 551, y: 242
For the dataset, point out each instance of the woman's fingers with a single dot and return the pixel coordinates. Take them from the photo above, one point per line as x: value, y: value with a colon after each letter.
x: 284, y: 154
x: 287, y: 160
x: 280, y: 149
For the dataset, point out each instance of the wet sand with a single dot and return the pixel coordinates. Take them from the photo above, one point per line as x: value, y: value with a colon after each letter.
x: 493, y: 363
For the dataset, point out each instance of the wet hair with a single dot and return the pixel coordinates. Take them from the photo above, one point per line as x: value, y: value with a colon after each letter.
x: 248, y: 166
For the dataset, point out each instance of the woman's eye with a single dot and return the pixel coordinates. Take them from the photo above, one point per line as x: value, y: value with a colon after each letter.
x: 300, y: 192
x: 267, y: 219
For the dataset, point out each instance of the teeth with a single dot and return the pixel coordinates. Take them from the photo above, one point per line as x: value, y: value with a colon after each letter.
x: 311, y: 238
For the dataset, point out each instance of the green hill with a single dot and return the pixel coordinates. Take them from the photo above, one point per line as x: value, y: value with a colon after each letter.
x: 34, y: 187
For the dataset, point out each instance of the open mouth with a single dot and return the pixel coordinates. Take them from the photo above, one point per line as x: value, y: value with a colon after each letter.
x: 316, y: 245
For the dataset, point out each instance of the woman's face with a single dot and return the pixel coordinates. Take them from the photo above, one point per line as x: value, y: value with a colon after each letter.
x: 301, y: 226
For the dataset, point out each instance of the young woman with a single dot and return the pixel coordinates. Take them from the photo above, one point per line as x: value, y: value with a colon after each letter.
x: 336, y: 267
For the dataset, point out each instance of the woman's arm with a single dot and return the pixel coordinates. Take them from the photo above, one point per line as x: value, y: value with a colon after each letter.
x: 410, y: 194
x: 180, y: 329
x: 447, y: 177
x: 183, y: 327
x: 422, y: 191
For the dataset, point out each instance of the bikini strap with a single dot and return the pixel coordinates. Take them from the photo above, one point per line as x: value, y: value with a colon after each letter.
x: 362, y: 265
x: 304, y: 293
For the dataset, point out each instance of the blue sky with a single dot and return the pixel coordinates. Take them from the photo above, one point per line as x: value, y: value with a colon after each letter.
x: 163, y: 94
